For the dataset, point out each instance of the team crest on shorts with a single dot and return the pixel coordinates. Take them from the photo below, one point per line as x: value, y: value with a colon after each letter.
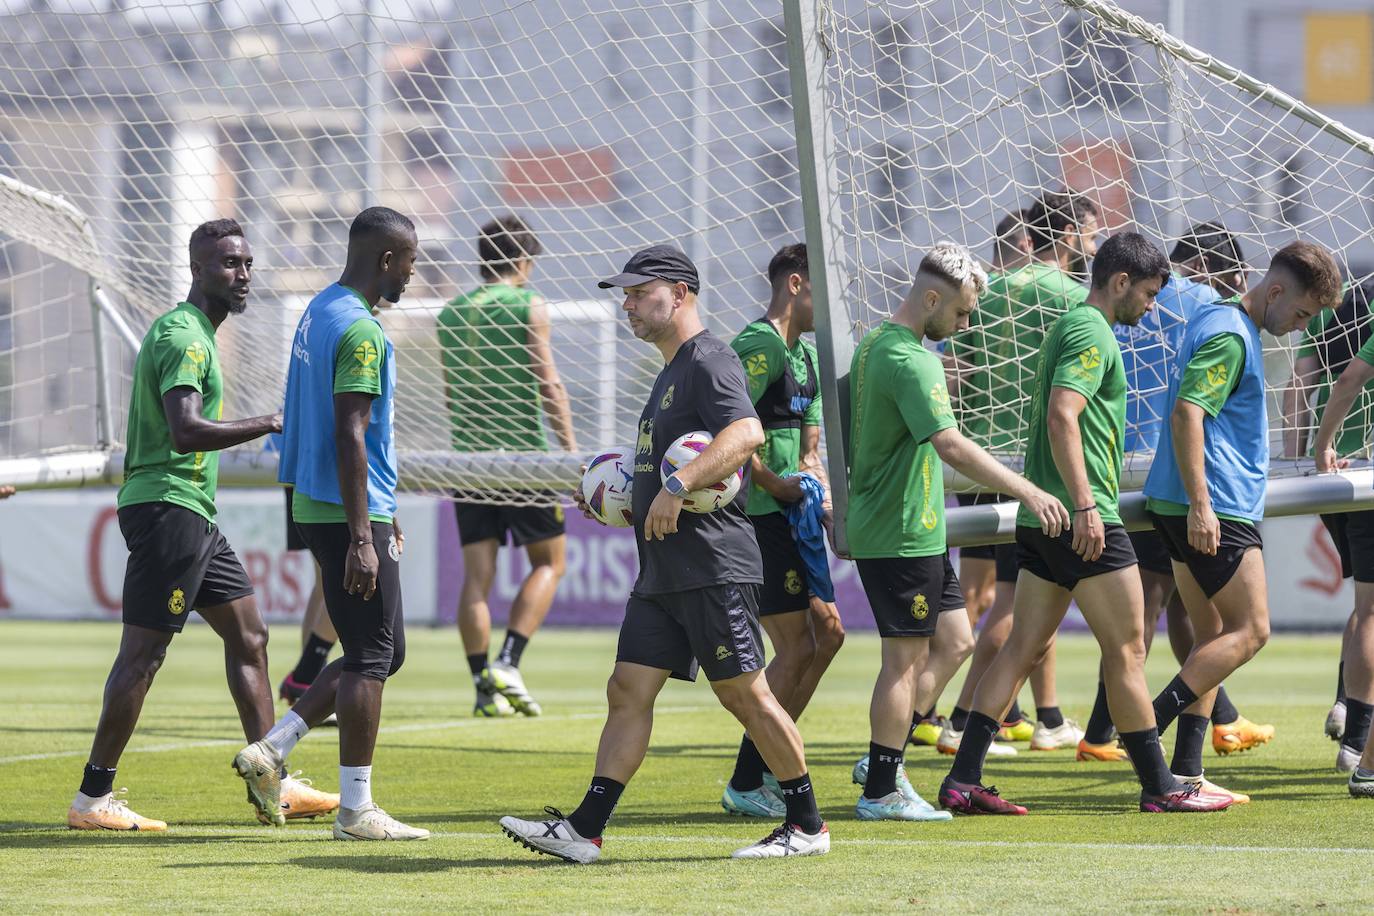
x: 722, y: 653
x: 920, y: 607
x: 177, y: 603
x: 667, y: 398
x: 393, y: 549
x: 792, y: 582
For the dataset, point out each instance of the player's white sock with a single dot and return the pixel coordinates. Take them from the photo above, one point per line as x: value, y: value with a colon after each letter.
x: 85, y: 802
x: 286, y: 733
x: 355, y: 787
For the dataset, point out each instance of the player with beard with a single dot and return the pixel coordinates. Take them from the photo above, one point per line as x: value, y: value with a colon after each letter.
x: 178, y: 559
x: 1076, y: 428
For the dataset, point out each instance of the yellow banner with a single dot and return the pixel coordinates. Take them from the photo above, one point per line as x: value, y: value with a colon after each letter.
x: 1340, y: 58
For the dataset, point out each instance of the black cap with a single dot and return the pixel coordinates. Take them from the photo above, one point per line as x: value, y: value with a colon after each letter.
x: 657, y: 262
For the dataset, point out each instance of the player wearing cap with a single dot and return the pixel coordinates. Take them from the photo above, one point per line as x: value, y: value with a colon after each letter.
x: 695, y: 603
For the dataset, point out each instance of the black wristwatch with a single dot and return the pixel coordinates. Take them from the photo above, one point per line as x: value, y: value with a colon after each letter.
x: 674, y: 486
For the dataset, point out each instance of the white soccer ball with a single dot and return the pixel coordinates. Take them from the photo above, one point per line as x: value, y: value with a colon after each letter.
x: 606, y: 487
x: 707, y: 499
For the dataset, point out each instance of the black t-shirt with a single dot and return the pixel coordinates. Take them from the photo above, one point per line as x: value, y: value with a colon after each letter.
x: 703, y: 388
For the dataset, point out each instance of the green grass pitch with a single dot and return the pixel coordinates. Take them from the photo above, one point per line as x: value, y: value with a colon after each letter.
x: 1303, y: 844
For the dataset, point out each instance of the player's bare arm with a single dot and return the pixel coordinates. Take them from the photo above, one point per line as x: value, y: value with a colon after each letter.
x: 1343, y: 394
x: 352, y: 413
x: 1066, y: 445
x: 1204, y: 530
x: 551, y: 388
x: 192, y: 432
x: 960, y: 453
x: 729, y: 450
x: 1297, y: 405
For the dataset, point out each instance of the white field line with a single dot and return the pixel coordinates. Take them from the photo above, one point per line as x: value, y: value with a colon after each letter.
x: 298, y: 835
x: 384, y: 730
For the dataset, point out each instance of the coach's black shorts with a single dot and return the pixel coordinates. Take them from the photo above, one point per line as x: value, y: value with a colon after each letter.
x: 1003, y: 555
x: 294, y: 541
x: 907, y: 594
x: 785, y: 586
x: 1054, y: 560
x: 177, y: 561
x: 715, y: 628
x: 1353, y: 533
x: 371, y: 632
x: 1211, y: 573
x: 525, y: 524
x: 1151, y: 553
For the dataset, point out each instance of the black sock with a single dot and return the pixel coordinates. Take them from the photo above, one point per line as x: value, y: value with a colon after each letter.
x: 973, y: 748
x: 1224, y: 712
x: 313, y: 658
x: 1014, y: 714
x: 512, y: 649
x: 1188, y: 741
x: 1099, y: 730
x: 801, y: 803
x: 1340, y: 681
x: 592, y: 816
x: 1357, y: 717
x: 882, y: 770
x: 1049, y: 716
x: 922, y: 716
x: 97, y: 781
x: 1147, y: 756
x: 1171, y: 702
x: 958, y: 720
x: 476, y: 662
x: 749, y: 767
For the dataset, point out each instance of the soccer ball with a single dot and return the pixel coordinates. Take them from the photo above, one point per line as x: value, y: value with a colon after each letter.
x: 606, y: 486
x: 707, y: 499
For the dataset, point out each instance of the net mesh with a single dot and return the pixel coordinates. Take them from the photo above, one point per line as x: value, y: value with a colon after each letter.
x: 607, y: 125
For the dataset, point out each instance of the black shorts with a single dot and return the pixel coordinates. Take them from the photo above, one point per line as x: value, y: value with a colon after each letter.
x: 525, y: 524
x: 1211, y: 573
x: 1004, y: 555
x: 785, y: 586
x: 371, y: 632
x: 177, y: 561
x: 900, y: 589
x: 1054, y: 560
x: 715, y: 628
x: 1151, y: 553
x: 294, y: 541
x: 1353, y: 533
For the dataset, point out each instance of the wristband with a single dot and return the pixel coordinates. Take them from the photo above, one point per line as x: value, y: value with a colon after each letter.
x: 1084, y: 509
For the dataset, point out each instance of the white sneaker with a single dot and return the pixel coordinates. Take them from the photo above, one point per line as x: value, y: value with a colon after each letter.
x: 1347, y: 758
x: 372, y: 823
x: 787, y: 840
x: 555, y: 837
x: 1052, y: 739
x: 1335, y: 721
x: 950, y: 737
x: 506, y: 680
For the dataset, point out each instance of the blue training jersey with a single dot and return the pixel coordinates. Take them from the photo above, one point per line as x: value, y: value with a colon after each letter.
x: 1148, y: 350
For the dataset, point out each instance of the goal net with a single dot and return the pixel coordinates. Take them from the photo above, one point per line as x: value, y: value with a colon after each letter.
x: 606, y: 126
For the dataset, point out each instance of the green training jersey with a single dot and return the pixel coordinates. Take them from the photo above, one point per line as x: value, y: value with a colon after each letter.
x: 1353, y: 437
x: 1082, y: 355
x: 896, y: 480
x: 177, y: 352
x: 784, y: 387
x: 1004, y: 337
x: 493, y: 392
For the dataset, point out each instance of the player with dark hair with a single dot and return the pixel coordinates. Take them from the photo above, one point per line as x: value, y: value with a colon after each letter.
x: 501, y: 383
x: 695, y: 602
x: 902, y: 431
x: 781, y: 369
x: 339, y: 453
x: 997, y: 355
x: 1207, y: 263
x: 1206, y: 487
x: 178, y: 559
x: 1076, y: 427
x: 1344, y: 431
x: 1011, y: 247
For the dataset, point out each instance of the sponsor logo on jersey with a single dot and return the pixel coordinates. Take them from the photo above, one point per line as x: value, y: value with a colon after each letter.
x: 645, y: 443
x: 757, y: 364
x: 176, y: 604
